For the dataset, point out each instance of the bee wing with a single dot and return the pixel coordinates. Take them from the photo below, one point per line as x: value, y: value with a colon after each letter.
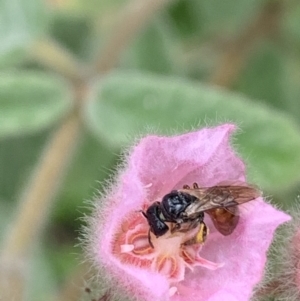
x: 224, y: 220
x: 224, y: 195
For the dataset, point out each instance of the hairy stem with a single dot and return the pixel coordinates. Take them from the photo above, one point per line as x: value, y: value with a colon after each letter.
x: 53, y: 56
x: 34, y: 207
x: 36, y: 200
x: 132, y: 19
x: 268, y: 290
x: 235, y: 57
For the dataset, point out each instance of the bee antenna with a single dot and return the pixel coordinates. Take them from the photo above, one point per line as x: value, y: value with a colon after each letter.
x: 195, y: 186
x: 144, y: 214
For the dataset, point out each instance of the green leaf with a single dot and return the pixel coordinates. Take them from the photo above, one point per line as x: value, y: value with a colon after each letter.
x: 95, y: 8
x: 63, y: 256
x: 229, y: 15
x: 91, y: 165
x: 125, y: 104
x: 196, y: 17
x: 290, y: 81
x: 291, y: 23
x: 20, y: 23
x: 18, y: 155
x: 153, y: 49
x: 31, y: 101
x: 264, y: 78
x: 272, y: 76
x: 73, y: 32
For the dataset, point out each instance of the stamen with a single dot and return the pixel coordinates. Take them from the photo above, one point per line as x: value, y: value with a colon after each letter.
x: 141, y: 243
x: 126, y: 248
x: 171, y: 253
x: 172, y: 291
x: 207, y: 264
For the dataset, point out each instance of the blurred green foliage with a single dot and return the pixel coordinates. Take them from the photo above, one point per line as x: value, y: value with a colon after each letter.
x: 31, y: 101
x: 21, y: 22
x: 131, y: 101
x: 158, y: 87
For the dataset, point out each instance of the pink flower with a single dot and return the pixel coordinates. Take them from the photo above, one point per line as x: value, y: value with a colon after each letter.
x: 224, y: 267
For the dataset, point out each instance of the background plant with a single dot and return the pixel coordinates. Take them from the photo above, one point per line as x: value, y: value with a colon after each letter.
x: 78, y: 81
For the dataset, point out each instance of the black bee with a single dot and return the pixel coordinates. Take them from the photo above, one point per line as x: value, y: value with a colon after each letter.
x: 188, y: 205
x: 170, y: 209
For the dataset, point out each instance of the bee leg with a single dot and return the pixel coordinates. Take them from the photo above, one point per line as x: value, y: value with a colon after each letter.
x: 186, y: 187
x: 200, y: 236
x: 185, y: 229
x: 176, y: 228
x: 195, y: 186
x: 145, y: 215
x: 193, y: 225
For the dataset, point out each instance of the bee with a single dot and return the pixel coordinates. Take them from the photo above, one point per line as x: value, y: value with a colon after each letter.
x: 185, y: 208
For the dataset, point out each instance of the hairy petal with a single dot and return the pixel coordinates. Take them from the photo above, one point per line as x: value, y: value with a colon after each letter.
x: 224, y: 268
x: 243, y: 254
x: 163, y: 163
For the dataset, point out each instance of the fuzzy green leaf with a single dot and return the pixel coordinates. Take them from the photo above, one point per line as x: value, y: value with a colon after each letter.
x: 153, y: 49
x: 125, y: 104
x: 30, y: 101
x: 20, y: 23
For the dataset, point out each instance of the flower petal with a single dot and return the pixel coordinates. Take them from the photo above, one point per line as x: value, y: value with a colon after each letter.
x: 224, y: 296
x: 243, y: 254
x: 162, y: 162
x: 156, y: 166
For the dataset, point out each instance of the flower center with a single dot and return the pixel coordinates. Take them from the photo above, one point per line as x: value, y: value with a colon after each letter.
x: 170, y: 254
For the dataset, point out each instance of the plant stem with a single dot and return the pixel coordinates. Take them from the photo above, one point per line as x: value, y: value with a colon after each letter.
x: 235, y: 57
x: 132, y: 19
x: 52, y: 55
x: 268, y: 290
x: 34, y: 207
x: 35, y: 203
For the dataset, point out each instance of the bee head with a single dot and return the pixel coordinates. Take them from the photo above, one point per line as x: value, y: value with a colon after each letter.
x: 156, y: 220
